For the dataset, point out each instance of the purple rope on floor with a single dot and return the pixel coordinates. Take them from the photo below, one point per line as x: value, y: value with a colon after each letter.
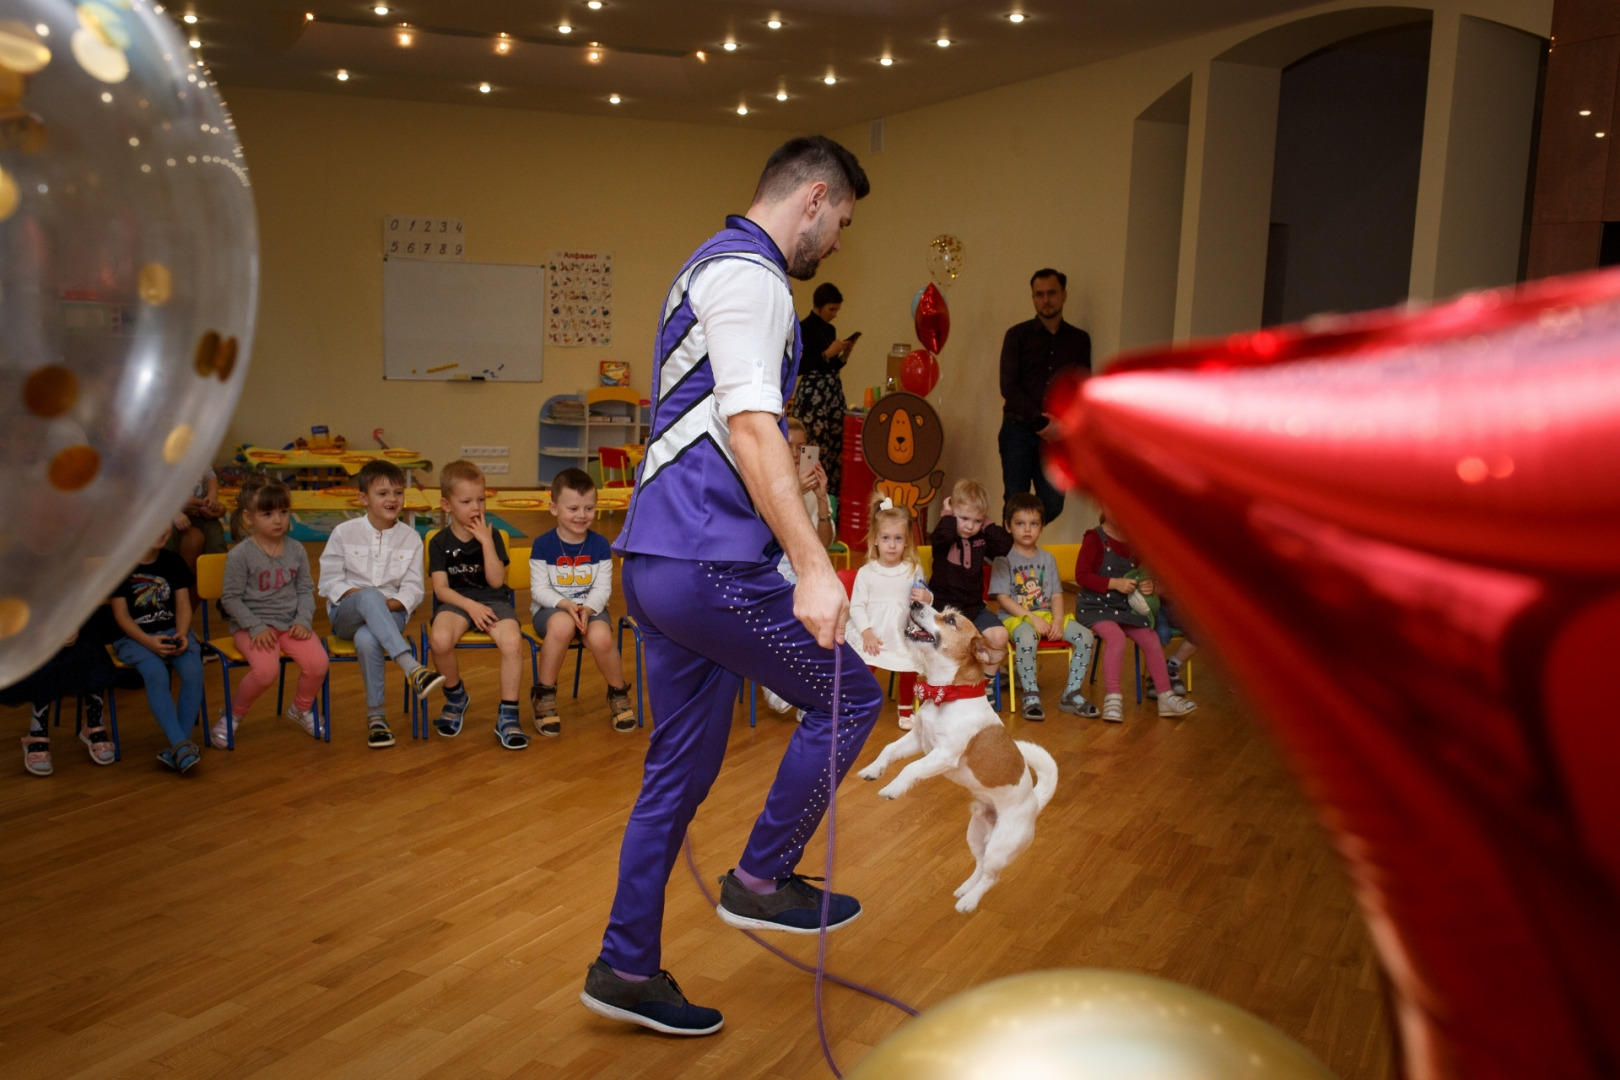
x: 820, y: 970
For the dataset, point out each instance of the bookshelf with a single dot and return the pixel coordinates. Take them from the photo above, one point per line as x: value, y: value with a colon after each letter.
x: 573, y: 427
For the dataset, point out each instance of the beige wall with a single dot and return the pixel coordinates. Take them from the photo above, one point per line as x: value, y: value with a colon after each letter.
x: 326, y: 169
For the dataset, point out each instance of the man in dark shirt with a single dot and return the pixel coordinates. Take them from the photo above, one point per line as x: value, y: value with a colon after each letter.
x: 1033, y: 353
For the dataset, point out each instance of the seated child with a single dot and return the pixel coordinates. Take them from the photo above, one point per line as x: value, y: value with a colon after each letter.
x: 467, y: 560
x: 1104, y: 605
x: 571, y: 581
x: 964, y: 544
x: 269, y: 597
x: 371, y: 577
x: 152, y: 609
x: 79, y: 667
x: 1167, y: 624
x: 880, y: 601
x: 1026, y: 585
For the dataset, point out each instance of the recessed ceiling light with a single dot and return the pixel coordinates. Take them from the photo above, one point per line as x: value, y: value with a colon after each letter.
x: 614, y: 99
x: 405, y: 38
x: 1015, y: 17
x: 830, y: 79
x: 342, y: 75
x: 503, y: 44
x: 774, y: 24
x: 483, y: 88
x: 188, y: 18
x: 195, y: 43
x: 309, y: 16
x: 565, y: 29
x: 781, y: 95
x: 730, y: 46
x: 702, y: 57
x: 886, y: 61
x: 742, y: 110
x: 943, y: 42
x: 594, y: 5
x: 381, y: 9
x: 594, y: 56
x: 1600, y: 134
x: 1586, y: 112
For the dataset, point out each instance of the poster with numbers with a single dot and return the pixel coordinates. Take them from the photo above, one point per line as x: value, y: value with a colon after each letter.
x: 579, y: 298
x: 409, y: 236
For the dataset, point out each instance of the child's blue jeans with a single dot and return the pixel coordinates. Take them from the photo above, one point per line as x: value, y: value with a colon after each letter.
x: 377, y: 631
x: 176, y: 719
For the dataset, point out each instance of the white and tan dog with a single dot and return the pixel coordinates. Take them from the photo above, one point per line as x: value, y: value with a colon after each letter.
x: 960, y: 735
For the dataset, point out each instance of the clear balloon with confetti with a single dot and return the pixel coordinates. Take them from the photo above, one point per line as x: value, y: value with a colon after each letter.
x: 128, y: 284
x: 944, y: 259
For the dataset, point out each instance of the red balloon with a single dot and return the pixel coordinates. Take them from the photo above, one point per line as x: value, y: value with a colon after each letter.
x: 933, y: 319
x: 1402, y: 535
x: 919, y: 372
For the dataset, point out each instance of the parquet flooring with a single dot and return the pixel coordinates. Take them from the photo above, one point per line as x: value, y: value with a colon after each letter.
x: 294, y: 910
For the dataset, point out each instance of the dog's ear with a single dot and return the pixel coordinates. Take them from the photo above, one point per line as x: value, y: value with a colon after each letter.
x: 984, y: 654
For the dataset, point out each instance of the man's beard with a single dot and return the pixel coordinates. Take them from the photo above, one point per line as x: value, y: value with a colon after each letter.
x: 807, y: 253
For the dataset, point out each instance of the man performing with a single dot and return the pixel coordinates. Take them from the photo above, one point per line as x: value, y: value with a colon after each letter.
x: 715, y: 505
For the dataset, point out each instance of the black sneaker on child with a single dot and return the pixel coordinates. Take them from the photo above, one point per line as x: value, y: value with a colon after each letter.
x: 378, y: 736
x: 424, y: 680
x: 655, y: 1003
x: 794, y: 908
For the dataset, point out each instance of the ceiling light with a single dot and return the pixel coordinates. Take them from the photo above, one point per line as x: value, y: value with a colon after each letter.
x: 781, y: 95
x: 565, y: 29
x: 730, y: 46
x: 830, y: 79
x: 188, y: 18
x: 195, y: 43
x: 309, y: 16
x: 943, y: 42
x: 702, y: 59
x: 594, y: 5
x: 594, y: 56
x: 614, y: 99
x: 503, y: 45
x: 342, y: 75
x: 886, y: 61
x: 404, y: 36
x: 381, y: 9
x: 1600, y: 134
x: 742, y: 110
x: 1015, y: 17
x: 774, y: 24
x: 1586, y: 112
x: 483, y: 88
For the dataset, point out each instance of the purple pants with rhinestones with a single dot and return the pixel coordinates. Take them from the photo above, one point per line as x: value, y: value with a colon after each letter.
x: 706, y: 627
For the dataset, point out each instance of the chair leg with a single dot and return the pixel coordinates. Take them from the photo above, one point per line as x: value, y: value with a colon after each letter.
x: 281, y: 685
x: 753, y: 704
x: 112, y: 718
x: 1138, y: 651
x: 579, y: 662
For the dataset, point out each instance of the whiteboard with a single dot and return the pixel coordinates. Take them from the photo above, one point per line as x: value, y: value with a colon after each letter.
x: 462, y: 320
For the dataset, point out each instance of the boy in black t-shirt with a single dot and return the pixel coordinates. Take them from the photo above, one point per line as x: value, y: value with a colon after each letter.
x: 153, y: 610
x: 467, y: 562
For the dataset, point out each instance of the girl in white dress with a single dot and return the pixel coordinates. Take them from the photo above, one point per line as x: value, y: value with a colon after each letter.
x: 880, y: 602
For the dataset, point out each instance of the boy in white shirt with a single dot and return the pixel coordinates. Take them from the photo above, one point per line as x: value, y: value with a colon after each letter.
x: 371, y: 577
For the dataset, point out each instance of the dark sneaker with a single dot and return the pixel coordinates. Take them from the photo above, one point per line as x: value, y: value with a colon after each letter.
x: 795, y: 906
x: 1031, y: 708
x: 620, y: 709
x: 544, y: 701
x: 455, y: 710
x: 655, y: 1003
x: 424, y: 680
x: 1177, y: 684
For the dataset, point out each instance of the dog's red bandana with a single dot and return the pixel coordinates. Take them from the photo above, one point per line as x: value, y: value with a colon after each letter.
x: 939, y: 695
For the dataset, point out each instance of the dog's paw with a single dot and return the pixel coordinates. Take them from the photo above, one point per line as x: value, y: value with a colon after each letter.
x: 967, y: 904
x: 871, y: 772
x: 893, y: 791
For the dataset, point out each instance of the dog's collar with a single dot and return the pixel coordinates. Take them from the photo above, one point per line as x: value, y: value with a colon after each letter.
x: 939, y: 695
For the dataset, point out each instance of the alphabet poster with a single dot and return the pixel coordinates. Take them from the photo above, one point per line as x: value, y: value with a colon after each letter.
x: 579, y: 298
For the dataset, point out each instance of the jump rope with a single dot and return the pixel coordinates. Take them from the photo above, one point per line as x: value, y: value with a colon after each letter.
x: 820, y: 970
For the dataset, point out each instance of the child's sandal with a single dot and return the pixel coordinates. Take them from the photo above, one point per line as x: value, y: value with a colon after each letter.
x: 543, y: 699
x: 1113, y: 709
x: 378, y: 736
x: 37, y: 755
x: 510, y: 733
x: 620, y: 709
x: 181, y: 756
x: 449, y: 722
x: 100, y: 745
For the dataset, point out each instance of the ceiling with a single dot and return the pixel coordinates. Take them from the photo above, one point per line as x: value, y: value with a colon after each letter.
x: 666, y: 59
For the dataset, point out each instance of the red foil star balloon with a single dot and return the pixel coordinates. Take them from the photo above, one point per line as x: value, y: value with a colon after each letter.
x: 932, y: 319
x: 1402, y: 534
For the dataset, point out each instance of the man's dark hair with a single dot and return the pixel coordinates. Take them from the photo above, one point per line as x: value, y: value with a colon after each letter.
x: 1047, y: 271
x: 1021, y: 502
x: 808, y: 158
x: 378, y: 469
x: 826, y: 293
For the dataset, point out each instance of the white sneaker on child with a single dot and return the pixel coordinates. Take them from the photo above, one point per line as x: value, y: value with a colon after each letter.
x: 303, y: 718
x: 220, y: 734
x: 774, y: 700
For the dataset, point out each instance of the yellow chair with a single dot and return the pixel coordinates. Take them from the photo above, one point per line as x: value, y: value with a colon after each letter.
x: 839, y: 554
x: 210, y: 587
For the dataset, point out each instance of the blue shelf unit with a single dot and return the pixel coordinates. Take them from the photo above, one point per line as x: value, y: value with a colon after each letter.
x: 573, y: 440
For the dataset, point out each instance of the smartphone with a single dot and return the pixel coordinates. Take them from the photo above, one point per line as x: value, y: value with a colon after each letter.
x: 809, y: 458
x: 853, y: 337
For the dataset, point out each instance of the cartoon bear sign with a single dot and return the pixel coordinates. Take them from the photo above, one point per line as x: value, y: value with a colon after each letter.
x: 902, y: 442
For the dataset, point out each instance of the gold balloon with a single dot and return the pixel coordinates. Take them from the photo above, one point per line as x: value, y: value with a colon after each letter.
x: 1087, y: 1024
x: 944, y: 259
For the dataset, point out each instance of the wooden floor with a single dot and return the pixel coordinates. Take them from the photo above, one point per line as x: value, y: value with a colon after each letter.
x: 297, y: 910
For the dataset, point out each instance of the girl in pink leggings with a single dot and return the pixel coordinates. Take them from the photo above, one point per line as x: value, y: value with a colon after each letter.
x: 1105, y: 605
x: 270, y: 599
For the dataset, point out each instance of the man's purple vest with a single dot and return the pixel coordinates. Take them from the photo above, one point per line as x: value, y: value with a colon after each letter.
x: 689, y: 501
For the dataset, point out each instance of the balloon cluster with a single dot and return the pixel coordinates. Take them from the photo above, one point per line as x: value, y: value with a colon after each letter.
x: 919, y: 372
x: 128, y: 273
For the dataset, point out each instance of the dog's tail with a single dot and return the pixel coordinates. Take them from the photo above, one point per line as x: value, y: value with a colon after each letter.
x: 1036, y: 757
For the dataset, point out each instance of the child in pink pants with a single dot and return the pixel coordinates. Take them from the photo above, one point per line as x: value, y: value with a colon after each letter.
x: 269, y: 596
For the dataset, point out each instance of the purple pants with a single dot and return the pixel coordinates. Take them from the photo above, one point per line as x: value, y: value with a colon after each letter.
x: 707, y: 626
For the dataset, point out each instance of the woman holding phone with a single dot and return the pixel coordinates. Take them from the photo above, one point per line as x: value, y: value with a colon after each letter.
x: 819, y: 399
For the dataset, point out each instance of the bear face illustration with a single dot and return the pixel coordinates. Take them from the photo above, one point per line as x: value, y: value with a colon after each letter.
x: 902, y: 439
